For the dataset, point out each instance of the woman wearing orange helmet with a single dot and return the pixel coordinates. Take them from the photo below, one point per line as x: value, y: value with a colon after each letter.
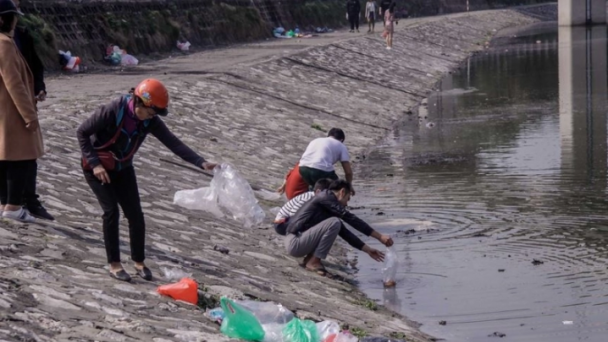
x: 109, y: 139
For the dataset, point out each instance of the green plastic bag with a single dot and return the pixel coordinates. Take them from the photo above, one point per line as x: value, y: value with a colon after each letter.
x: 300, y: 331
x: 239, y: 323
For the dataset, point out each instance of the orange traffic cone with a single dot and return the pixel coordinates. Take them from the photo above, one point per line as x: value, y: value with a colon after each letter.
x: 185, y: 290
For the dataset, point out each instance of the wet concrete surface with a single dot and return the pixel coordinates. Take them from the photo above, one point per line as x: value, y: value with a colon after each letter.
x: 255, y: 111
x: 496, y: 192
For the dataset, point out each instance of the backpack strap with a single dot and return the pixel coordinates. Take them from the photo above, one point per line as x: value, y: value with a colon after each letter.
x: 119, y: 123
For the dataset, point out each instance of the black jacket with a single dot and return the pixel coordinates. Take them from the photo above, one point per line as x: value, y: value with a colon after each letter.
x: 323, y: 206
x: 26, y: 45
x: 100, y: 127
x: 353, y: 7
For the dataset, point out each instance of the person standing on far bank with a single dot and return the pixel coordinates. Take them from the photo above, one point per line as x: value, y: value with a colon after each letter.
x: 370, y: 15
x: 353, y: 11
x: 26, y: 46
x: 384, y: 6
x: 108, y: 141
x: 318, y: 160
x: 20, y: 136
x: 389, y: 26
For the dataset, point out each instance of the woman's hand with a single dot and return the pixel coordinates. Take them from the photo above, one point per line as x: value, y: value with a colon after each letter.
x: 101, y: 174
x: 32, y: 126
x: 208, y: 166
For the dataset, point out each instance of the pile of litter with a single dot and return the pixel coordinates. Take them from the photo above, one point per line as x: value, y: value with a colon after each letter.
x: 280, y: 32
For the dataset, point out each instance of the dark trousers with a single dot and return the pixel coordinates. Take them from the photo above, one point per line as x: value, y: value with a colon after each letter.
x: 121, y: 191
x: 13, y: 178
x: 354, y: 20
x: 29, y: 194
x: 311, y: 176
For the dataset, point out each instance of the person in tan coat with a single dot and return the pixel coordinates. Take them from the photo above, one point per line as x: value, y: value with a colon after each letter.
x: 20, y: 136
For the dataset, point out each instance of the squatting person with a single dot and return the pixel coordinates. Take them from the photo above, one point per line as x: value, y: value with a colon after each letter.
x: 311, y: 232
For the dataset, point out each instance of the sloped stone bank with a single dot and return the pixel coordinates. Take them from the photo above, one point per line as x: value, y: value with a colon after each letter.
x: 257, y: 116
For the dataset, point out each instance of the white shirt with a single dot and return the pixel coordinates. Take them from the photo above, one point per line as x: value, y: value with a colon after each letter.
x: 323, y: 153
x: 291, y: 207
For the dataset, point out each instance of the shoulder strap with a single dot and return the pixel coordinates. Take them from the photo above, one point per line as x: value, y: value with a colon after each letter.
x: 119, y: 124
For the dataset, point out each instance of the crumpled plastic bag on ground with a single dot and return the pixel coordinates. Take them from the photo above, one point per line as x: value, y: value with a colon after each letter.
x: 389, y: 270
x: 175, y: 273
x: 327, y: 328
x: 379, y: 339
x: 344, y: 336
x: 300, y: 331
x: 228, y: 192
x: 129, y: 60
x: 273, y: 332
x: 268, y: 312
x: 185, y: 290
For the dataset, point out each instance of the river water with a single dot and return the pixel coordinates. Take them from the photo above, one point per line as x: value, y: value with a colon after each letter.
x: 504, y: 165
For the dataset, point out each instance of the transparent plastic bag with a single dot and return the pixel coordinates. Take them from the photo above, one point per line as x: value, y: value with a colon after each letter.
x: 228, y: 192
x: 267, y: 312
x: 273, y: 332
x: 389, y: 270
x: 300, y: 331
x: 326, y: 329
x: 345, y: 336
x: 239, y: 323
x: 175, y: 274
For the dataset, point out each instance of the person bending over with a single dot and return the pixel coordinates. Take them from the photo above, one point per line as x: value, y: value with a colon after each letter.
x: 312, y: 231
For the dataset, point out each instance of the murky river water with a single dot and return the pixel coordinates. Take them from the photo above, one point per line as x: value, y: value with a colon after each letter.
x: 506, y: 165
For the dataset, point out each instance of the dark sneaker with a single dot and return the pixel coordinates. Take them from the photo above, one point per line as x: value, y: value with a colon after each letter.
x: 37, y: 210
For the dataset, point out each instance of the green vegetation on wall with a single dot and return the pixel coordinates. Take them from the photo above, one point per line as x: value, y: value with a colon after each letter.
x: 43, y: 36
x: 320, y: 13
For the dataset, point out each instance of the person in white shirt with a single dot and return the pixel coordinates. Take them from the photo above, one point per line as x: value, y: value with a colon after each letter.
x: 292, y: 207
x: 318, y: 160
x: 370, y: 15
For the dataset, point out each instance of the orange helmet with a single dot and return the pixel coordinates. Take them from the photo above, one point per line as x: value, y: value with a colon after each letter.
x: 154, y: 95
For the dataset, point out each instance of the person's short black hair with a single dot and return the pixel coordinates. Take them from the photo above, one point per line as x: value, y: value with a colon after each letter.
x: 337, y: 133
x: 322, y: 184
x: 7, y: 22
x: 340, y: 184
x: 392, y: 7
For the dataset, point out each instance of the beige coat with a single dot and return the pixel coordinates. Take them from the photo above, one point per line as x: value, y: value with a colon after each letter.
x: 17, y: 106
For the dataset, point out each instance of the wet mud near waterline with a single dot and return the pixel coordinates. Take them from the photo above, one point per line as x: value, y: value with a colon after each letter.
x: 496, y: 193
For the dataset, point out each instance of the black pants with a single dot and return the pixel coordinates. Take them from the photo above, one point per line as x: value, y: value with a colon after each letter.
x: 354, y: 21
x: 13, y: 177
x: 311, y: 176
x: 121, y: 191
x: 29, y: 194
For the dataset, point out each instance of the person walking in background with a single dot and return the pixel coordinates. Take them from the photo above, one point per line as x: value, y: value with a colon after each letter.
x: 389, y: 28
x: 108, y: 141
x: 370, y: 15
x: 353, y: 11
x: 384, y: 6
x: 321, y: 154
x: 26, y: 46
x: 20, y: 136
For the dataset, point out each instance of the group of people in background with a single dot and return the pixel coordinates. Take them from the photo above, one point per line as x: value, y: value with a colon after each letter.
x: 385, y: 12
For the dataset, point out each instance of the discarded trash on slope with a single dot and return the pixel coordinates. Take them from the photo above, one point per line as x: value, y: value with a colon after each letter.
x: 185, y: 290
x: 240, y: 323
x: 389, y: 270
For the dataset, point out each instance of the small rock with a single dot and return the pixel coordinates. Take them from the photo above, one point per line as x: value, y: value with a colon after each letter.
x: 501, y: 270
x: 443, y: 322
x: 537, y: 262
x: 213, y: 139
x: 380, y: 213
x: 497, y: 334
x: 221, y: 249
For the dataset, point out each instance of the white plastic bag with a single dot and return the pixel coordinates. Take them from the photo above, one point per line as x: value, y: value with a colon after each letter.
x: 389, y: 270
x: 273, y: 332
x: 199, y: 199
x: 268, y: 312
x: 128, y: 60
x: 175, y: 273
x: 346, y: 336
x: 184, y: 46
x: 327, y: 328
x: 228, y: 192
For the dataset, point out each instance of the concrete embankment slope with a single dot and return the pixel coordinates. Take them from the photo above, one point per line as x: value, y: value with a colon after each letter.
x: 258, y: 116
